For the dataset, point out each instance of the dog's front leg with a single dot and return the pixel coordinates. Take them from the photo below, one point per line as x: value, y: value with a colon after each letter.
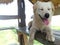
x: 31, y: 36
x: 49, y: 36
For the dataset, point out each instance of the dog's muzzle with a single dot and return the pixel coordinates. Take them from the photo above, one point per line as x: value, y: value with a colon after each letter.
x: 45, y: 19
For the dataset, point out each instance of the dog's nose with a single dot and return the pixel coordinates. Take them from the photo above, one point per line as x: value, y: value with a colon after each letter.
x: 47, y: 15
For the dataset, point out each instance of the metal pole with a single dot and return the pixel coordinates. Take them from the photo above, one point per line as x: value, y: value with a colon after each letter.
x: 21, y: 13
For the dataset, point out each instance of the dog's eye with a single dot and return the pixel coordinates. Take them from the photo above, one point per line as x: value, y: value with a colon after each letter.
x: 48, y: 8
x: 41, y: 9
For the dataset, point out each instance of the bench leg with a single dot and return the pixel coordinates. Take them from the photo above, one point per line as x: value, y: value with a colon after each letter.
x: 22, y: 38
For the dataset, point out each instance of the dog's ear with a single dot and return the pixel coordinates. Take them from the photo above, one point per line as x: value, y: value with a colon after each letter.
x: 34, y: 7
x: 53, y: 8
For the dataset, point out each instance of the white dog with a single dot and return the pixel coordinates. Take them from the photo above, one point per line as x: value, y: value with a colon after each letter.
x: 43, y: 11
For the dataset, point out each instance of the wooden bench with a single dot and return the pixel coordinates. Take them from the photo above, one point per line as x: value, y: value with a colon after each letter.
x: 41, y: 37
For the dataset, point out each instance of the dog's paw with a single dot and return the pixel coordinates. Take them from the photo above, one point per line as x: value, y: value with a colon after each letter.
x: 52, y: 39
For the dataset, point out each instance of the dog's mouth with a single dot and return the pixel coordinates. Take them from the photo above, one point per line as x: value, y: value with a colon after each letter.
x: 45, y: 20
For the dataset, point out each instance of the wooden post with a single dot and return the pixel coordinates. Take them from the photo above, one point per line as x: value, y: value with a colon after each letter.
x: 22, y: 38
x: 25, y: 39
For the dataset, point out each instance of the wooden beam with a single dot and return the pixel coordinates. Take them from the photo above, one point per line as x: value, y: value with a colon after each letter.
x: 55, y: 2
x: 5, y: 1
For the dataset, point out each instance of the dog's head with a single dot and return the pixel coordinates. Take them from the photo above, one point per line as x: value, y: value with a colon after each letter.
x: 44, y: 10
